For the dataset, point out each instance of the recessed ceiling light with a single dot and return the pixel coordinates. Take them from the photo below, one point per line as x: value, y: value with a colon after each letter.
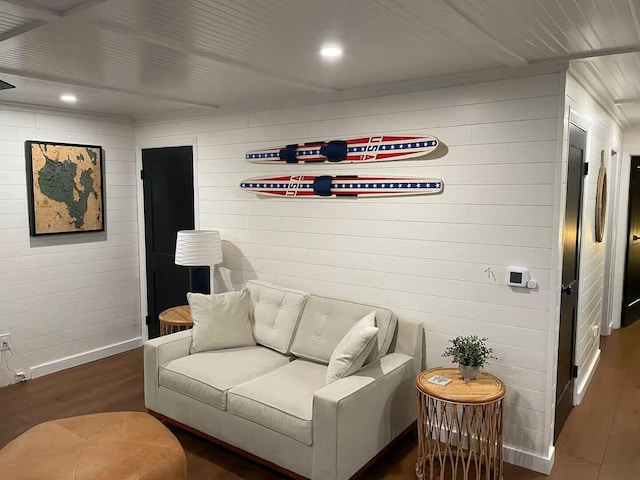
x: 68, y: 98
x: 331, y: 51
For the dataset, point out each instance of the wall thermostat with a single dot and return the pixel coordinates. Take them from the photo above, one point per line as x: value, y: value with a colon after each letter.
x: 518, y: 277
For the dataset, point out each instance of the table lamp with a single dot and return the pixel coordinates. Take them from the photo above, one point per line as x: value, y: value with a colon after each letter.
x: 201, y: 250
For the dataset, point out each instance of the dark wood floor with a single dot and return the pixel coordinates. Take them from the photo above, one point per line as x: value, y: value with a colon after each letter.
x: 600, y: 440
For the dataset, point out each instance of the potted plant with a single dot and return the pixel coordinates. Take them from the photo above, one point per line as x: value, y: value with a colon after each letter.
x: 470, y: 353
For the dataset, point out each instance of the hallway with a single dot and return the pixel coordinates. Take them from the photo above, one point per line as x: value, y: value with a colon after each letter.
x: 600, y: 440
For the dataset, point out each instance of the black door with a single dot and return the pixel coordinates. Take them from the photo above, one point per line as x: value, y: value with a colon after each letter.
x: 570, y: 271
x: 631, y: 297
x: 167, y: 180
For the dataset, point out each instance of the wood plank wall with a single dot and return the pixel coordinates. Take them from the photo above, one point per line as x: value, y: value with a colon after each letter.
x: 66, y: 295
x: 424, y: 257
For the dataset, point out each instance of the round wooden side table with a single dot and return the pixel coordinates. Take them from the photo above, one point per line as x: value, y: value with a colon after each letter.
x: 175, y: 319
x: 459, y: 426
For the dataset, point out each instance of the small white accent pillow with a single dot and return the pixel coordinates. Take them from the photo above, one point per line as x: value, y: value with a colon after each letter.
x: 352, y: 351
x: 220, y: 321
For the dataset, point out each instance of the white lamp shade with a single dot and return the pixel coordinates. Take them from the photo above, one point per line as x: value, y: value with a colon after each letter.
x: 198, y: 248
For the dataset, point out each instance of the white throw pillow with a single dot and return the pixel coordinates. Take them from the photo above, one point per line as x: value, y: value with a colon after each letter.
x: 352, y: 351
x: 220, y: 320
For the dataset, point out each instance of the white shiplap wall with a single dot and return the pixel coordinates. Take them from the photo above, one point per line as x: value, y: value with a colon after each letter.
x: 424, y: 257
x: 603, y: 133
x: 71, y: 295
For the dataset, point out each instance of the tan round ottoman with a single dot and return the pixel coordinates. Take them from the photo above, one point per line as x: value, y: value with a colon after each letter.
x: 105, y: 446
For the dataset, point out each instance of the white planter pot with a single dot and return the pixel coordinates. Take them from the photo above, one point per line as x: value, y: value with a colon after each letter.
x: 468, y: 373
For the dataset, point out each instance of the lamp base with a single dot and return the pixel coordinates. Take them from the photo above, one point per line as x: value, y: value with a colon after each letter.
x: 200, y: 280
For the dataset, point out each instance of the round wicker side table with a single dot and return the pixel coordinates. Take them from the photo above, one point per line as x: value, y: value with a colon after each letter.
x: 175, y: 319
x: 459, y: 426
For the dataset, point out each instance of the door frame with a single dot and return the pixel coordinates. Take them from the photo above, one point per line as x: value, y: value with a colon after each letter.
x: 621, y: 218
x: 584, y: 123
x: 142, y: 252
x: 612, y: 239
x: 626, y: 249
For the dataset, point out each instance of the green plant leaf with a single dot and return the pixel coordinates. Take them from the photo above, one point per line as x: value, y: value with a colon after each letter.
x: 471, y: 351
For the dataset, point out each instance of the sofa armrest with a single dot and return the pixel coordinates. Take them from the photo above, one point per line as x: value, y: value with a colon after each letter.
x: 157, y: 352
x: 355, y: 417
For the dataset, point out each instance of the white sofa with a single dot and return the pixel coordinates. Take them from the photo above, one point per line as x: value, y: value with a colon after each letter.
x: 271, y: 400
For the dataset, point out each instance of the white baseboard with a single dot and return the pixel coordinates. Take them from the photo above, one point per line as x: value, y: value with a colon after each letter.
x: 84, y: 357
x: 530, y: 460
x: 581, y: 387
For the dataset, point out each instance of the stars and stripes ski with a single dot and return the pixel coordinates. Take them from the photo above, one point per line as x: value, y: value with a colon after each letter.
x: 380, y: 148
x: 326, y: 186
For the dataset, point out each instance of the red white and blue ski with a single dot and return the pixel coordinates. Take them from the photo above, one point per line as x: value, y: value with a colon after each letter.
x: 380, y: 148
x: 327, y: 186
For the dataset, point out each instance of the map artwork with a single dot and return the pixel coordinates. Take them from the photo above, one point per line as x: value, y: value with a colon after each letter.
x: 65, y: 188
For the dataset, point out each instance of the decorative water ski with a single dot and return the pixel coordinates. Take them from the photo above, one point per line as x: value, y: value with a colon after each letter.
x: 381, y: 148
x: 327, y: 186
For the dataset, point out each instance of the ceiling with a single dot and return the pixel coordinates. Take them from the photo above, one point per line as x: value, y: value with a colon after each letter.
x: 146, y: 57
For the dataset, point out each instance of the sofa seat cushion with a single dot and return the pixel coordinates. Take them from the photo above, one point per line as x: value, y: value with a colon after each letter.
x: 207, y: 376
x: 281, y: 400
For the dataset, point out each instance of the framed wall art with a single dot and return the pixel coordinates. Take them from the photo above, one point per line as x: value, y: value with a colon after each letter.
x: 65, y: 187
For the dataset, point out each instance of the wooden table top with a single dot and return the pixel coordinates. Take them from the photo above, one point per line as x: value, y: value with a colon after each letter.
x: 177, y: 315
x: 486, y: 388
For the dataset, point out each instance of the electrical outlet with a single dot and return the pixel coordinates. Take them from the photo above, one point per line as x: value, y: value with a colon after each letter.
x: 4, y: 341
x: 21, y: 377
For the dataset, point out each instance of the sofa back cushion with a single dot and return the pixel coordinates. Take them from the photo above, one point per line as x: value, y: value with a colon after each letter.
x: 325, y: 321
x: 275, y: 312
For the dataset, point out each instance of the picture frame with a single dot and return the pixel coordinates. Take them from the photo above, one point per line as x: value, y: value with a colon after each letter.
x: 65, y: 188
